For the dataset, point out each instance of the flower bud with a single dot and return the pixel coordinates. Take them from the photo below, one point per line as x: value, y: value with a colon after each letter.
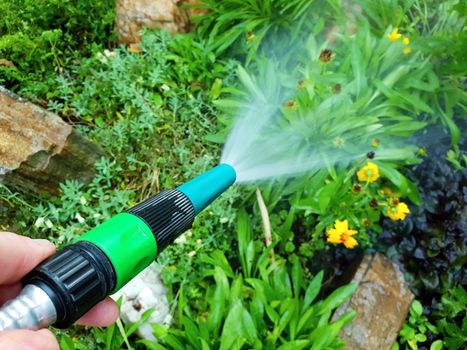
x: 325, y: 56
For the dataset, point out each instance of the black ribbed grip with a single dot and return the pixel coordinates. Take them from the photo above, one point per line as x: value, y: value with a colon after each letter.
x: 76, y: 278
x: 167, y: 214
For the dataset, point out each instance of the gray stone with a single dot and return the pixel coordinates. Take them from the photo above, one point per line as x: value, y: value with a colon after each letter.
x: 133, y: 15
x: 382, y: 301
x: 38, y: 150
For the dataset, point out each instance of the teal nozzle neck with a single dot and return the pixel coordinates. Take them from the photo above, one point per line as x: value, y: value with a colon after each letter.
x: 203, y: 189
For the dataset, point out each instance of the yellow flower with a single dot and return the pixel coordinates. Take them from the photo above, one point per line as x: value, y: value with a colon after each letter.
x: 406, y: 50
x: 368, y: 173
x: 340, y: 234
x: 394, y: 35
x: 398, y: 212
x: 405, y: 41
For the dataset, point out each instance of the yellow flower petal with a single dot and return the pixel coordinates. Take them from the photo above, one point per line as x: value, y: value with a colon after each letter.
x: 398, y: 212
x: 406, y: 40
x: 350, y: 243
x: 334, y: 236
x: 406, y: 50
x: 402, y: 209
x: 369, y: 173
x: 341, y: 226
x: 340, y: 234
x: 352, y: 232
x: 392, y: 214
x: 394, y: 35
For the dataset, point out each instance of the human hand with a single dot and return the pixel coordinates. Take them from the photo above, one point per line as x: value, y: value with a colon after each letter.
x: 18, y: 256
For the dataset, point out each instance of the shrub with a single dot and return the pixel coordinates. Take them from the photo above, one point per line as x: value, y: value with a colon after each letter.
x: 42, y: 38
x: 268, y: 305
x: 431, y: 243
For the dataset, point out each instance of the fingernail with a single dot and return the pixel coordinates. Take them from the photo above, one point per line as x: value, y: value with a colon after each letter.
x: 43, y: 243
x: 45, y: 332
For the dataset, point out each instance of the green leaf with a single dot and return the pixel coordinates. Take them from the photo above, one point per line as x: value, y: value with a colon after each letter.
x: 218, y: 138
x: 250, y: 85
x: 388, y: 171
x: 249, y: 258
x: 413, y: 193
x: 216, y: 89
x: 337, y: 297
x: 237, y: 289
x: 325, y: 195
x: 272, y: 314
x: 219, y: 300
x: 358, y: 69
x: 192, y: 332
x: 455, y: 131
x: 217, y: 258
x: 325, y: 334
x: 413, y: 344
x: 162, y: 333
x: 305, y: 321
x: 257, y: 312
x: 404, y: 128
x: 151, y: 345
x: 134, y: 326
x: 290, y: 306
x: 121, y: 329
x: 66, y: 343
x: 294, y: 345
x: 313, y: 289
x: 420, y: 337
x: 281, y: 283
x: 244, y: 237
x: 297, y: 276
x: 436, y: 345
x: 238, y: 325
x: 416, y: 308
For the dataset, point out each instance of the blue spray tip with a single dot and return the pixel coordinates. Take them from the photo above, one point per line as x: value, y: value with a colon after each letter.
x: 203, y: 189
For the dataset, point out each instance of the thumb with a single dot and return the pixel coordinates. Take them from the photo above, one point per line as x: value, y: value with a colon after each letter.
x: 28, y: 340
x: 19, y: 255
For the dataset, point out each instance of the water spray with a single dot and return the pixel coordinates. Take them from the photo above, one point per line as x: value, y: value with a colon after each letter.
x: 99, y: 263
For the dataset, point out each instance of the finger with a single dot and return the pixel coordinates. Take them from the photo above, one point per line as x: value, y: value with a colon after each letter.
x: 28, y: 340
x: 19, y: 255
x: 9, y: 292
x: 103, y: 314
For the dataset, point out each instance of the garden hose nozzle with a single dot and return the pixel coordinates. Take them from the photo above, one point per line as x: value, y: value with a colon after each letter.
x: 67, y: 285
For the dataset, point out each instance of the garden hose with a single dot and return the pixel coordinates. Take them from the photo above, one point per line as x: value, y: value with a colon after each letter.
x: 67, y: 285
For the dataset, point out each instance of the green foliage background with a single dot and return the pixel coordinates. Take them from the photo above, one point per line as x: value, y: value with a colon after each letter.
x: 160, y: 115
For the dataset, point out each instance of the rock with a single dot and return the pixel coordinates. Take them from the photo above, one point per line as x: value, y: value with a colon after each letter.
x: 38, y: 150
x: 194, y: 11
x: 382, y: 301
x: 132, y: 15
x: 145, y: 291
x: 6, y: 63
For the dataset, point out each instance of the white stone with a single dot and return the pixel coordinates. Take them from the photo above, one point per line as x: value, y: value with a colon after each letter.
x: 145, y: 291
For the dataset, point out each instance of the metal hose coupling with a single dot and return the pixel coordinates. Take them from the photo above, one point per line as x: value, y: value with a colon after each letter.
x: 31, y: 309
